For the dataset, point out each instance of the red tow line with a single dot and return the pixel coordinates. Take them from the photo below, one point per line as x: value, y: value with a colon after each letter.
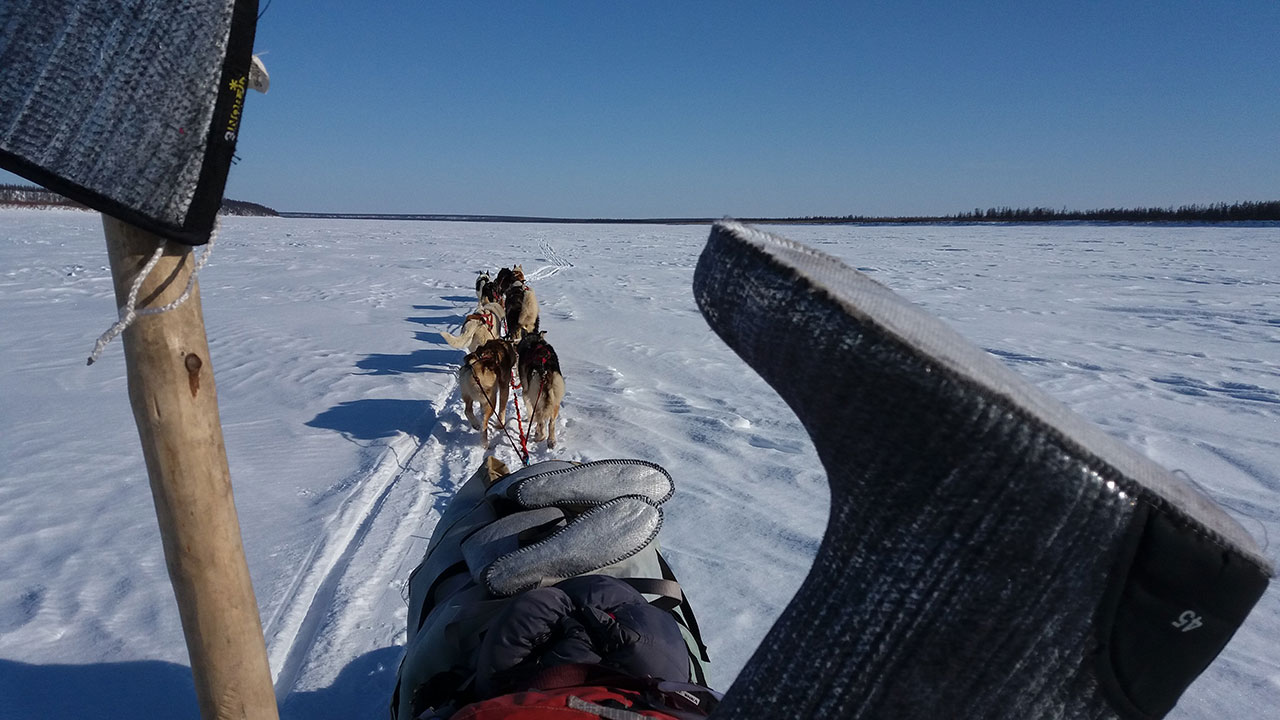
x: 524, y: 439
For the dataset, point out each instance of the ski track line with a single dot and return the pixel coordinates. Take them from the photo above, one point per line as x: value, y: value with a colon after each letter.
x: 543, y: 273
x: 310, y: 598
x: 367, y: 612
x: 320, y: 621
x: 558, y: 263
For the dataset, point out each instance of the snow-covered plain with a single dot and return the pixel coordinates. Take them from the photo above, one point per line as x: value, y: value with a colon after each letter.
x: 345, y: 434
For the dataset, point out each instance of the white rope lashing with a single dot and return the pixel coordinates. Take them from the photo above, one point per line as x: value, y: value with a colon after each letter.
x: 129, y: 312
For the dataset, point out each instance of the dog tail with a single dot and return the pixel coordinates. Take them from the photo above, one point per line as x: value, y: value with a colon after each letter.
x: 542, y: 398
x: 459, y: 341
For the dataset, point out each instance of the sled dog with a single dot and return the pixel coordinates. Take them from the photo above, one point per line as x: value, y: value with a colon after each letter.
x: 479, y: 328
x: 481, y: 281
x: 508, y: 278
x: 543, y: 383
x: 522, y: 311
x: 485, y: 378
x: 489, y: 294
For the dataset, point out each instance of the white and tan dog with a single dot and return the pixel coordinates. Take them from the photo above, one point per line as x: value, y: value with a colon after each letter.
x: 522, y: 311
x: 485, y: 378
x: 543, y: 384
x: 479, y: 328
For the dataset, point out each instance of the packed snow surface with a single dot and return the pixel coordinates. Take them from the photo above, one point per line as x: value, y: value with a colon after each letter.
x: 345, y: 432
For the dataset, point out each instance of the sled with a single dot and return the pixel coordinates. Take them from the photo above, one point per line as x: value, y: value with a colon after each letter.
x: 507, y: 532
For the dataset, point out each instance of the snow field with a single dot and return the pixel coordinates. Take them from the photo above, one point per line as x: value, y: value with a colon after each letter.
x: 346, y: 437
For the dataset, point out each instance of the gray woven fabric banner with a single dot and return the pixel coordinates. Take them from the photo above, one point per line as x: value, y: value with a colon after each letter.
x: 989, y: 554
x: 131, y: 107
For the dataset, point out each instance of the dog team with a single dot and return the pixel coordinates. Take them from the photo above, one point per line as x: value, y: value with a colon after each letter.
x: 502, y: 338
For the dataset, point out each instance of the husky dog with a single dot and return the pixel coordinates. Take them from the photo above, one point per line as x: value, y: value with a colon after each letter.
x: 489, y: 294
x: 481, y: 282
x: 508, y: 278
x: 522, y: 311
x: 543, y: 384
x: 485, y: 378
x: 479, y: 328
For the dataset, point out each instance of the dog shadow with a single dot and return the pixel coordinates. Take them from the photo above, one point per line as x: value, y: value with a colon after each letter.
x: 433, y: 360
x: 449, y: 321
x: 374, y: 419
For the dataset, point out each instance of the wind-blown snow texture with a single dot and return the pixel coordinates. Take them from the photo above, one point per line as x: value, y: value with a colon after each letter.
x: 345, y: 433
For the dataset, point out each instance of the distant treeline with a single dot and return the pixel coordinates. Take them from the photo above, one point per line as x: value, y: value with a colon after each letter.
x: 445, y: 217
x: 242, y: 207
x: 38, y: 197
x: 1266, y: 211
x: 1221, y: 212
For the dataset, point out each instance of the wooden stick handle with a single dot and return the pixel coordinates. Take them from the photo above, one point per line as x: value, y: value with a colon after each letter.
x: 175, y: 405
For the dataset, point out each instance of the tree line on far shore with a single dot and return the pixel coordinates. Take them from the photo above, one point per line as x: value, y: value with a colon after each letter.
x: 1220, y: 212
x: 1265, y: 211
x: 38, y: 197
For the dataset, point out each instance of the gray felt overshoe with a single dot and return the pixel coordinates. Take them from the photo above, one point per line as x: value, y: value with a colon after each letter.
x: 989, y: 554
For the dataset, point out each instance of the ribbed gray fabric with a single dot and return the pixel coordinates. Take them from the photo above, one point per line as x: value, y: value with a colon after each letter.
x: 114, y: 96
x: 971, y: 540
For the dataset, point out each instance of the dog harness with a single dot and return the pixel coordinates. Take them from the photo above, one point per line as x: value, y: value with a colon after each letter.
x: 542, y: 355
x: 486, y: 317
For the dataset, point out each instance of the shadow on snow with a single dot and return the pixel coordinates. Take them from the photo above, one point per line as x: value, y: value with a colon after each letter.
x: 107, y: 691
x: 374, y: 419
x: 450, y: 322
x: 157, y: 689
x: 434, y: 360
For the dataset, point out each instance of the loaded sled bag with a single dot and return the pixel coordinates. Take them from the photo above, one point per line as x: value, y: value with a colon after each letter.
x: 556, y: 563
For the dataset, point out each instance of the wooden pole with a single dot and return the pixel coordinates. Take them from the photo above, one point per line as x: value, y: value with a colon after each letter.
x: 175, y: 405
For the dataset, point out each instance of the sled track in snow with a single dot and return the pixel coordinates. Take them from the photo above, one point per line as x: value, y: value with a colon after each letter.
x: 315, y: 588
x: 322, y: 599
x: 346, y: 600
x: 559, y: 262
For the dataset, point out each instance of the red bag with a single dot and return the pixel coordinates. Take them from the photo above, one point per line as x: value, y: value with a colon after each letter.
x: 576, y: 703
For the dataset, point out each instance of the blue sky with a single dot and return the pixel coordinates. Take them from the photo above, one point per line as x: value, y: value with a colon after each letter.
x: 697, y: 108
